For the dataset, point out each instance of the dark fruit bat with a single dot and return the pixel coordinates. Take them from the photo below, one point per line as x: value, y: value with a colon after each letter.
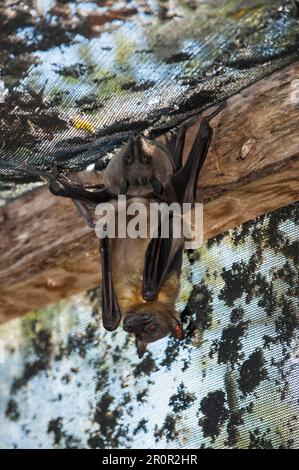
x: 141, y: 276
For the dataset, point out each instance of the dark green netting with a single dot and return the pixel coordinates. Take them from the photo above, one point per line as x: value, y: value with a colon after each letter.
x: 81, y: 77
x: 233, y: 382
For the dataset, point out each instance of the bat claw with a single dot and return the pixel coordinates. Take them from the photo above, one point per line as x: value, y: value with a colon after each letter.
x: 124, y: 185
x: 48, y: 176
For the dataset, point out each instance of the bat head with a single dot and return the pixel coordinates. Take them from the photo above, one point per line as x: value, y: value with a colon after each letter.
x: 151, y: 322
x: 140, y: 167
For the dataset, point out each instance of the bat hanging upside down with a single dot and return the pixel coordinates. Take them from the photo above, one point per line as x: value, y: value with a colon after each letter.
x: 141, y: 276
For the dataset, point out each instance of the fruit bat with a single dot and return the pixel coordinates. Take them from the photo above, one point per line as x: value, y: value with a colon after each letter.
x: 141, y: 276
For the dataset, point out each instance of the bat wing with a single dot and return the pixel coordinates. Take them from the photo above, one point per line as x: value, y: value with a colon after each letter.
x: 110, y: 311
x: 86, y: 202
x: 164, y: 255
x: 63, y: 187
x: 174, y: 142
x: 184, y: 182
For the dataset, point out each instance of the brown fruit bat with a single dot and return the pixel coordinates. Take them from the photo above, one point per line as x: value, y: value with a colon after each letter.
x: 141, y: 276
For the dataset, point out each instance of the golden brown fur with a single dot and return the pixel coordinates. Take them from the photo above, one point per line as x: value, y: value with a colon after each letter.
x: 127, y: 257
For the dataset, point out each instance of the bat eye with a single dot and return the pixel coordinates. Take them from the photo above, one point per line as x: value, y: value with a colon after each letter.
x: 152, y: 327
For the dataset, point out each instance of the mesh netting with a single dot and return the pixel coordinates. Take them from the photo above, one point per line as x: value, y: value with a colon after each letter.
x: 80, y: 77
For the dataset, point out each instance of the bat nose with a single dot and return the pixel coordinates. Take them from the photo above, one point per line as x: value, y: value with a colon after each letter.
x: 128, y: 323
x: 135, y: 322
x: 128, y: 327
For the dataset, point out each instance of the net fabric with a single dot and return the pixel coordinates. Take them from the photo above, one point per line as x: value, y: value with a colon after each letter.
x: 81, y: 77
x: 232, y: 383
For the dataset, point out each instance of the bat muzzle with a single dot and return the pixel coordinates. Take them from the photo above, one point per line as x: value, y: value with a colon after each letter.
x: 135, y: 323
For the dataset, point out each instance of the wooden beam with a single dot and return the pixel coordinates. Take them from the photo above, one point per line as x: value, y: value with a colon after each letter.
x: 47, y: 252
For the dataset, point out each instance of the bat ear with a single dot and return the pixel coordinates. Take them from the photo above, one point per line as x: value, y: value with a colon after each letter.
x: 141, y: 347
x: 178, y: 331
